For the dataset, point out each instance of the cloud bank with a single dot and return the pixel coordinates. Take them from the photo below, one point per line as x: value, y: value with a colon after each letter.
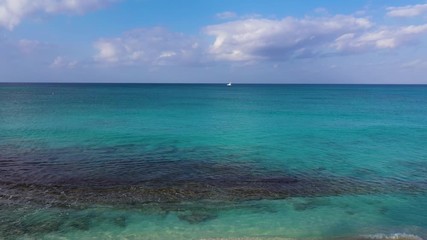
x: 153, y: 46
x: 12, y: 12
x: 267, y: 39
x: 407, y: 11
x: 257, y: 39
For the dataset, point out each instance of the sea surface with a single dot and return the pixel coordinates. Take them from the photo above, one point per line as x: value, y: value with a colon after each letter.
x: 165, y: 161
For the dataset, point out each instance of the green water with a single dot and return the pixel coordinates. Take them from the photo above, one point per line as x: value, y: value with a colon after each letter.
x: 100, y: 161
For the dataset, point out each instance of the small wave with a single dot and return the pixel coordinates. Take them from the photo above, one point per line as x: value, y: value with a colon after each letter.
x: 243, y: 238
x: 380, y: 236
x: 396, y: 236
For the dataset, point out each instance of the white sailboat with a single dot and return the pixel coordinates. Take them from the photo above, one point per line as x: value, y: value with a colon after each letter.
x: 229, y: 84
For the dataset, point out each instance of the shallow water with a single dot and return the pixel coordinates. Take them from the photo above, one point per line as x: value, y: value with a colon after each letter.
x: 206, y: 161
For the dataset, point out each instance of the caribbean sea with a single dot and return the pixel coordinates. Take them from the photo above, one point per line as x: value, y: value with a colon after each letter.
x: 188, y: 161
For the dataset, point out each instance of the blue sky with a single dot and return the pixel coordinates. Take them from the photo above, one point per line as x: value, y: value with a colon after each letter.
x: 195, y: 41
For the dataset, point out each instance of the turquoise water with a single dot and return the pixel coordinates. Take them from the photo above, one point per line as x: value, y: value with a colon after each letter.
x: 128, y: 161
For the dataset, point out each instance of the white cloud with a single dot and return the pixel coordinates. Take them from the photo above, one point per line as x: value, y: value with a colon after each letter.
x: 61, y: 62
x: 386, y: 38
x: 247, y: 41
x: 32, y: 47
x: 107, y: 51
x: 13, y: 11
x: 407, y: 11
x: 226, y: 15
x: 28, y: 46
x: 152, y: 46
x: 418, y: 63
x: 17, y: 53
x: 265, y: 39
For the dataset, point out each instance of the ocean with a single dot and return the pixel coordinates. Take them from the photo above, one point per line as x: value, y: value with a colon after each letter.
x: 206, y: 161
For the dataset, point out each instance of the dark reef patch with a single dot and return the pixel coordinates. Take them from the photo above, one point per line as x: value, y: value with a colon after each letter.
x: 131, y: 175
x: 194, y: 185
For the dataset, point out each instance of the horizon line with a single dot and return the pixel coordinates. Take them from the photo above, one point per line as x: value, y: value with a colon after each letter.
x: 210, y: 83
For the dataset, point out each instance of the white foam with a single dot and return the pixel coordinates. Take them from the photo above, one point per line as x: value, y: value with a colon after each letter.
x: 396, y: 236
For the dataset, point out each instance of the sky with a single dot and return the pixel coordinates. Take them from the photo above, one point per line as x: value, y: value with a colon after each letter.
x: 214, y: 41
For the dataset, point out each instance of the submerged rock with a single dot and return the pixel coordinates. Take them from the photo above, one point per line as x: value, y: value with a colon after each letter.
x: 195, y: 217
x: 26, y: 222
x: 310, y: 203
x: 80, y: 224
x: 120, y: 221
